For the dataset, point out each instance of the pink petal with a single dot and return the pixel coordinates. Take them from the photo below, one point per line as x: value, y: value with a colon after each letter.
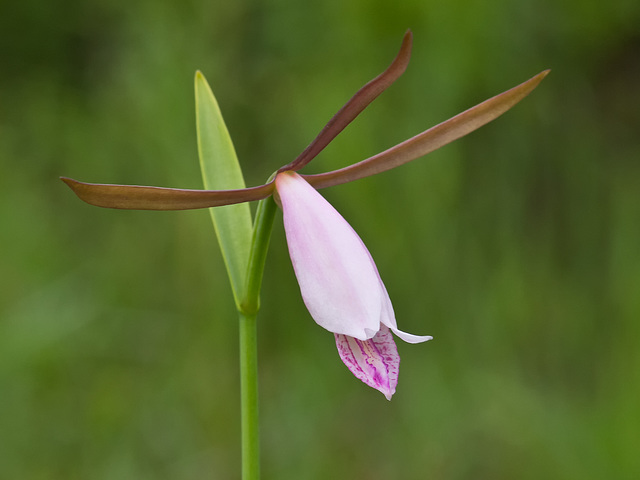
x: 338, y: 280
x: 374, y: 361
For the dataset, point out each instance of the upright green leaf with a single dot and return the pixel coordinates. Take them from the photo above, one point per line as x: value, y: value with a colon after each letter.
x: 221, y: 171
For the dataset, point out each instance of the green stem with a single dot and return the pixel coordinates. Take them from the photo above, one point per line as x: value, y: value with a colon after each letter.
x: 262, y: 227
x: 249, y: 397
x: 248, y: 312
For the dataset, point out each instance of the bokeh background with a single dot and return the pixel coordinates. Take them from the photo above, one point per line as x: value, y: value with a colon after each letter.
x: 517, y: 247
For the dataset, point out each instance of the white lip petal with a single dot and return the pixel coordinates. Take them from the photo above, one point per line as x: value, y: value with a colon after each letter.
x: 338, y: 280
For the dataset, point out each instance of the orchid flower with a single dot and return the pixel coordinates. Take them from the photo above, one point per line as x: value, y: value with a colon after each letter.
x: 340, y: 284
x: 338, y: 279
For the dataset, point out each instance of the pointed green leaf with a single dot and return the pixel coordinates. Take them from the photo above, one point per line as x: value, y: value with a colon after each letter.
x: 221, y: 171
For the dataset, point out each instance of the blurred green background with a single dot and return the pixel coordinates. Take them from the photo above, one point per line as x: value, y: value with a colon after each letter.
x: 517, y: 247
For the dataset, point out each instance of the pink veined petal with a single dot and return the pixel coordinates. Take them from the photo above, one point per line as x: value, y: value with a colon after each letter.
x: 338, y: 280
x: 375, y: 361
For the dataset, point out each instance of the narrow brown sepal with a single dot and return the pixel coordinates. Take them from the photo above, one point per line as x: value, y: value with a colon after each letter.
x: 355, y: 105
x: 133, y: 197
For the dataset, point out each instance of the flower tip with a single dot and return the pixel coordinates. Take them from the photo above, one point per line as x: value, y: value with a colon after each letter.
x: 388, y: 390
x: 82, y: 190
x: 71, y: 183
x: 534, y: 81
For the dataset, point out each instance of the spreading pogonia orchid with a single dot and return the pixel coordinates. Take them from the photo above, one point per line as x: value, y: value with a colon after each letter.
x: 338, y: 279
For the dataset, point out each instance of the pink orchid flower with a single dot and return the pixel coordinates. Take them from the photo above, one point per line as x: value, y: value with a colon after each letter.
x: 338, y: 279
x: 340, y: 284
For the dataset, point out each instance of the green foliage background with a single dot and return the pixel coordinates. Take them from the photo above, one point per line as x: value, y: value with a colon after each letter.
x: 516, y: 247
